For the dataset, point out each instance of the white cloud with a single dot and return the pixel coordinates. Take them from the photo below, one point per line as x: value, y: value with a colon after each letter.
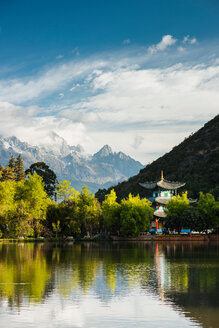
x: 167, y: 41
x: 138, y: 141
x: 59, y: 56
x: 189, y: 40
x: 193, y: 41
x: 180, y: 49
x: 122, y: 100
x: 22, y: 90
x: 159, y: 104
x: 127, y: 41
x: 25, y: 123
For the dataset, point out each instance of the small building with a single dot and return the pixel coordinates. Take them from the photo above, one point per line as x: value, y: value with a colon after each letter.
x: 163, y: 192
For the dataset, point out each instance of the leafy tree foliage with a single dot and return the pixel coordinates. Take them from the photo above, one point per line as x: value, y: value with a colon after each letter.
x: 65, y: 191
x: 198, y: 217
x: 216, y: 217
x: 129, y: 218
x: 111, y: 212
x: 177, y: 205
x: 34, y: 200
x: 7, y: 205
x: 56, y: 227
x: 79, y: 213
x: 135, y: 215
x: 23, y: 207
x: 193, y: 219
x: 26, y: 210
x: 62, y: 216
x: 207, y: 206
x: 88, y: 211
x: 49, y: 177
x: 174, y: 210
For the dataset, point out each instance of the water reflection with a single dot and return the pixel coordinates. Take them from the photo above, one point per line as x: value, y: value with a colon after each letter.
x: 161, y: 284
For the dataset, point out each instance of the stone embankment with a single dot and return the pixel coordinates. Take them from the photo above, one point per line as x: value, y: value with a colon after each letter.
x: 168, y: 238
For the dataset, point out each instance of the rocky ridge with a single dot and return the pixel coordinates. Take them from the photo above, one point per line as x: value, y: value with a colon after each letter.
x: 101, y: 170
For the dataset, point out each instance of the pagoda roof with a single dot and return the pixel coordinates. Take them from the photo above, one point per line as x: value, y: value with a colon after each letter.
x: 165, y: 184
x: 162, y: 200
x: 160, y: 214
x: 148, y: 185
x: 162, y: 183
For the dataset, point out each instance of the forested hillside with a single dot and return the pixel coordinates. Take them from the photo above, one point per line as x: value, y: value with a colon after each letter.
x: 194, y: 161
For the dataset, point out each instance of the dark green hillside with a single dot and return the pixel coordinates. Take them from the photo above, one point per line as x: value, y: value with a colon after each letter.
x: 194, y: 161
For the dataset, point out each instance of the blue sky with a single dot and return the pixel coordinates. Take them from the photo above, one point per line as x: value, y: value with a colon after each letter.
x: 138, y: 75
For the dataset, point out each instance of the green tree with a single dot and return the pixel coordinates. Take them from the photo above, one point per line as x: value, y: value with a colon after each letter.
x: 7, y: 205
x: 19, y: 169
x: 64, y: 213
x: 208, y: 208
x: 88, y: 212
x: 216, y: 218
x: 193, y: 219
x: 65, y: 191
x: 49, y: 177
x: 1, y: 169
x: 34, y: 200
x: 8, y: 174
x: 111, y: 212
x: 135, y: 215
x: 174, y: 210
x: 11, y: 163
x: 56, y: 227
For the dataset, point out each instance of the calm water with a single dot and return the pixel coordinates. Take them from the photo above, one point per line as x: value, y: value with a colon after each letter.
x: 109, y: 285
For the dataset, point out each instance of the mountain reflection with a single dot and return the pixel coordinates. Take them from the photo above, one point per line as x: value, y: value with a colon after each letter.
x: 184, y: 275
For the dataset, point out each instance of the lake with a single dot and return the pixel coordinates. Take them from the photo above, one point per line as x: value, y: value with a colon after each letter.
x: 109, y: 285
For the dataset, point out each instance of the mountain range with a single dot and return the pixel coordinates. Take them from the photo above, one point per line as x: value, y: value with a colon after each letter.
x: 194, y: 161
x: 101, y: 170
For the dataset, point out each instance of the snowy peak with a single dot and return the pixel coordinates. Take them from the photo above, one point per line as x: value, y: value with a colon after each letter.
x: 72, y: 163
x: 104, y: 151
x: 121, y: 155
x: 56, y: 145
x: 77, y: 149
x: 14, y: 143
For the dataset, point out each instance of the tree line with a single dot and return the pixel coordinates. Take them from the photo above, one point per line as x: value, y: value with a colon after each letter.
x: 33, y: 203
x: 199, y: 216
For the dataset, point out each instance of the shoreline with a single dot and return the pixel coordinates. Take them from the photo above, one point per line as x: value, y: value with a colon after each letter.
x: 146, y: 238
x: 154, y: 238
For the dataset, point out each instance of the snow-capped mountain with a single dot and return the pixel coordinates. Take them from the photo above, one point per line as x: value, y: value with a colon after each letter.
x: 101, y: 170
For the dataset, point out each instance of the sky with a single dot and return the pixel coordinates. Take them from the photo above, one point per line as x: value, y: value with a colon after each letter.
x: 138, y: 75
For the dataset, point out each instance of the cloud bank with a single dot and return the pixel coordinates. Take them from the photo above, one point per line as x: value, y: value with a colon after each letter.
x: 131, y: 101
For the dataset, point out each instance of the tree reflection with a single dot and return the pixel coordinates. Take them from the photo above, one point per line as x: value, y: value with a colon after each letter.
x: 185, y: 274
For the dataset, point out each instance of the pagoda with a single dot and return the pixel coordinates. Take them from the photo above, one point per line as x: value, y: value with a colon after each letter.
x: 163, y: 192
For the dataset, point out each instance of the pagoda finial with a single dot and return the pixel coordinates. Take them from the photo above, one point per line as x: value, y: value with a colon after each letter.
x: 162, y: 175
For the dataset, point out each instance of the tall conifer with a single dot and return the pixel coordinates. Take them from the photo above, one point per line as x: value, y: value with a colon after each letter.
x: 1, y: 169
x: 19, y: 169
x: 11, y: 163
x: 8, y: 174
